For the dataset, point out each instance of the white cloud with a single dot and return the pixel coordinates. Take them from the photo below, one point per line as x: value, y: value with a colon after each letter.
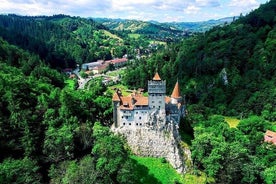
x: 191, y: 9
x: 207, y: 3
x: 160, y: 10
x: 244, y: 3
x: 242, y: 6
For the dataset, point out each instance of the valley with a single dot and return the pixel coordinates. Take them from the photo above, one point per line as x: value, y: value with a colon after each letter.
x: 67, y: 81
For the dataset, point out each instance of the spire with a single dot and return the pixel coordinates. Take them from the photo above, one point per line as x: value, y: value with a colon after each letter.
x: 176, y: 91
x: 156, y: 77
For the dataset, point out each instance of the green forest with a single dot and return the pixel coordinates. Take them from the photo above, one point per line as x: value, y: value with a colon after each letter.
x: 51, y: 133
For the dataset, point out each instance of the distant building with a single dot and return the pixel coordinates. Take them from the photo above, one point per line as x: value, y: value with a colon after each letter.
x: 118, y: 62
x: 137, y: 111
x: 99, y: 69
x: 100, y: 66
x: 270, y: 137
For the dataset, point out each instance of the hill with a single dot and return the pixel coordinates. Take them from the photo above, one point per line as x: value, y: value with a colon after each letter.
x: 228, y: 70
x: 150, y: 29
x: 50, y: 133
x: 169, y: 31
x: 200, y: 26
x: 64, y: 41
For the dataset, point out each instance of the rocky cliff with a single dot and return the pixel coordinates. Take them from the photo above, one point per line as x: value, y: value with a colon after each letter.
x: 161, y: 142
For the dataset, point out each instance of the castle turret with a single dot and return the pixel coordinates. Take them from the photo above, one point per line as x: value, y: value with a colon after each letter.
x: 116, y: 99
x: 157, y: 92
x: 176, y: 97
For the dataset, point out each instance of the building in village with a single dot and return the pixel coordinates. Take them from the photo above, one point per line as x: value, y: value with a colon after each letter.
x: 100, y: 66
x: 270, y: 137
x: 137, y: 111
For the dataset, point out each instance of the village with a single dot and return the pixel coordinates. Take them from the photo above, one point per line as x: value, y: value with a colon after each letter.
x: 100, y: 68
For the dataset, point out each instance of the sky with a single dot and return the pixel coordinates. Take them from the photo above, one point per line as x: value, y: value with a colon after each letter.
x: 158, y: 10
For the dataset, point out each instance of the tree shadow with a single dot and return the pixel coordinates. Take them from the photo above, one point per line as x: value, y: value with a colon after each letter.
x: 142, y: 173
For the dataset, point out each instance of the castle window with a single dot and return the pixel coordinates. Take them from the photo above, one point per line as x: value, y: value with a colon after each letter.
x: 140, y: 124
x: 140, y: 117
x: 152, y: 102
x: 137, y: 124
x: 129, y: 123
x: 160, y: 102
x: 126, y: 117
x: 124, y: 124
x: 122, y: 117
x: 136, y: 112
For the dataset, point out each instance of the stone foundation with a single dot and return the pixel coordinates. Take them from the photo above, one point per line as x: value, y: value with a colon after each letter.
x: 151, y: 142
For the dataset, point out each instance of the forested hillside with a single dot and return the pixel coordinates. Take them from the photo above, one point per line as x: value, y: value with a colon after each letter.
x: 64, y: 41
x: 201, y: 26
x: 151, y: 30
x: 50, y: 133
x: 228, y: 70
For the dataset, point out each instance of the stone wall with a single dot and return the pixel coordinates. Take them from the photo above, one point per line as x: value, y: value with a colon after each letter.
x: 154, y: 142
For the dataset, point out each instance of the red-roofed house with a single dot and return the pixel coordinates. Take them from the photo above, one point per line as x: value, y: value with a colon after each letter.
x: 270, y: 137
x: 99, y: 69
x: 118, y: 62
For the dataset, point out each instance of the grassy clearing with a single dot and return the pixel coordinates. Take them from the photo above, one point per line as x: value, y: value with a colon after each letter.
x: 233, y: 122
x: 123, y: 88
x: 107, y: 33
x: 133, y: 35
x: 116, y: 72
x: 163, y: 172
x: 201, y: 179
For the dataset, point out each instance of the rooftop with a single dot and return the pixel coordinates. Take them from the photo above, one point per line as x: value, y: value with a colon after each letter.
x: 156, y: 77
x: 270, y: 137
x: 176, y: 91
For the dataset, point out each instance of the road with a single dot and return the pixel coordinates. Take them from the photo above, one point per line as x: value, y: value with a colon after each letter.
x: 81, y: 81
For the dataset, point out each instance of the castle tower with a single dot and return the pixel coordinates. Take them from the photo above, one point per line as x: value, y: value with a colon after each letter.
x: 116, y: 99
x: 176, y: 97
x: 157, y: 92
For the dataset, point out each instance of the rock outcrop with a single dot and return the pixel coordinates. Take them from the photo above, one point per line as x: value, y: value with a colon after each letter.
x: 157, y: 141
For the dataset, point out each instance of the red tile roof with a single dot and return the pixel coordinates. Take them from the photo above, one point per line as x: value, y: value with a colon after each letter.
x: 167, y: 99
x: 122, y: 60
x: 270, y: 137
x: 142, y: 101
x: 156, y: 77
x: 176, y: 91
x: 116, y: 97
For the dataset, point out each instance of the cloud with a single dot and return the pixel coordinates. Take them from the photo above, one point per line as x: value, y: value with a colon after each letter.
x: 244, y: 3
x: 160, y: 10
x: 207, y: 3
x: 192, y: 9
x: 242, y: 6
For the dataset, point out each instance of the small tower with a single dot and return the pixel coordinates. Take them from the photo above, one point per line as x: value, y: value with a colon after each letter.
x: 157, y: 92
x: 116, y: 99
x: 176, y: 97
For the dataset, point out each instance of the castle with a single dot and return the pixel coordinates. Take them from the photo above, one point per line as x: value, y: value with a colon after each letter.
x: 150, y: 124
x: 136, y: 111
